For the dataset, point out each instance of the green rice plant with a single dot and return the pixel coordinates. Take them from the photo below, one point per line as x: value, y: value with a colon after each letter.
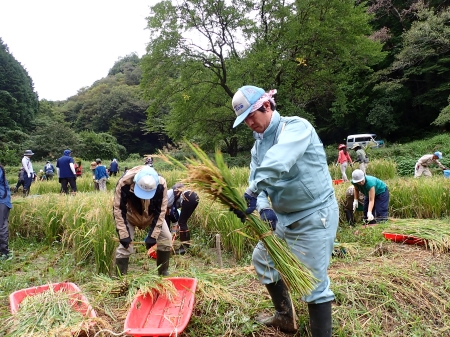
x: 216, y: 180
x: 83, y: 223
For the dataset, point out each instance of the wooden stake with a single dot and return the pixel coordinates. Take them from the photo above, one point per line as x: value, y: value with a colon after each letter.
x: 219, y: 250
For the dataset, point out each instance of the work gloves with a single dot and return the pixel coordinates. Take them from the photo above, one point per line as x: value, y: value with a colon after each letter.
x: 174, y: 215
x: 269, y: 216
x: 355, y: 205
x: 149, y: 242
x: 29, y: 175
x: 370, y: 216
x: 250, y: 198
x: 125, y: 242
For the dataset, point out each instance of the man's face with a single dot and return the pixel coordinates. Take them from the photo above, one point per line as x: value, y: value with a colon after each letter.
x: 258, y: 121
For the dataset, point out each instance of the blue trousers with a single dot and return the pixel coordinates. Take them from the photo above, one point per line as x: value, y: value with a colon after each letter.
x: 380, y: 207
x: 311, y: 239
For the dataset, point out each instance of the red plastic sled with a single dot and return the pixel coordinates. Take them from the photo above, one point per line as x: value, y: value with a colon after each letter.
x: 79, y: 303
x: 402, y: 238
x: 156, y: 316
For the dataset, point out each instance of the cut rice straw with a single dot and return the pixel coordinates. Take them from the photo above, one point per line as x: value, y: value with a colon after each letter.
x: 435, y: 233
x: 216, y: 180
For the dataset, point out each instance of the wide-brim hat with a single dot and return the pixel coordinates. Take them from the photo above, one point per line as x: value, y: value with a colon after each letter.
x: 93, y: 165
x: 145, y: 183
x: 28, y: 153
x: 243, y: 101
x: 355, y: 146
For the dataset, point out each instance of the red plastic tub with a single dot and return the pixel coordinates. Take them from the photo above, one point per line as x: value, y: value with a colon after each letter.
x: 402, y: 238
x: 338, y: 181
x: 79, y: 303
x: 158, y: 316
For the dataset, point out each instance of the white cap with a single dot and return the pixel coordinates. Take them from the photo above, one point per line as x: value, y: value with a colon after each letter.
x: 146, y: 181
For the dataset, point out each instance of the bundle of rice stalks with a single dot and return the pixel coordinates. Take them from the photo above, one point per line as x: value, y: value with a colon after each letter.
x: 132, y: 285
x: 435, y: 233
x: 50, y: 313
x: 216, y: 180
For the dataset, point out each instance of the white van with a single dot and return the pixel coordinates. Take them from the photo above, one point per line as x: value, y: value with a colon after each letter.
x: 365, y: 140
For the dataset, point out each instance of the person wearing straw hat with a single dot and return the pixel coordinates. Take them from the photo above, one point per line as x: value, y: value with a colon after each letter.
x: 140, y: 200
x: 289, y: 167
x: 361, y: 157
x: 28, y: 171
x: 343, y: 160
x: 421, y: 167
x: 92, y: 167
x: 376, y: 197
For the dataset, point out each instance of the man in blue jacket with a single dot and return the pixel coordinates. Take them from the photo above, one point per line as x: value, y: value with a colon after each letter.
x: 289, y: 166
x: 5, y: 207
x: 65, y: 169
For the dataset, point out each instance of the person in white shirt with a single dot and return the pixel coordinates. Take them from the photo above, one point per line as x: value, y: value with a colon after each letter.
x: 425, y: 161
x: 29, y: 173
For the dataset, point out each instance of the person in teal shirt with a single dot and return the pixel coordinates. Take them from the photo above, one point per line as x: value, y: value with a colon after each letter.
x: 376, y: 196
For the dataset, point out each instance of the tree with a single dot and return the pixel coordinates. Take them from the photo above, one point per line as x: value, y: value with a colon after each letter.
x: 307, y: 50
x: 18, y: 101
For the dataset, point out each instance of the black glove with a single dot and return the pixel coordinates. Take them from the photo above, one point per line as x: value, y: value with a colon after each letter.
x: 125, y: 242
x: 174, y: 215
x: 250, y: 198
x: 269, y: 216
x: 149, y: 242
x: 239, y: 214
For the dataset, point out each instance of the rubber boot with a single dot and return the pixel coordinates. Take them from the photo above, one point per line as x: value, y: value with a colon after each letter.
x: 25, y: 193
x: 320, y: 319
x: 350, y: 217
x: 162, y: 262
x: 284, y: 318
x: 185, y: 237
x: 122, y: 266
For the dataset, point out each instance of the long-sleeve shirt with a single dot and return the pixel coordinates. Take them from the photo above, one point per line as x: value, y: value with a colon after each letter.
x: 343, y: 157
x: 427, y: 160
x: 129, y: 209
x: 27, y: 166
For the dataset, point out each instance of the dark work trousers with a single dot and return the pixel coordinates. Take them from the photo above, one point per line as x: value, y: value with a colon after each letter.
x: 380, y: 207
x: 190, y: 203
x: 20, y: 183
x: 71, y: 181
x: 112, y: 173
x: 4, y: 214
x: 27, y: 181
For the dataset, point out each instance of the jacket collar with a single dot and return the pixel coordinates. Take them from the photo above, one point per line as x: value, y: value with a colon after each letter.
x: 271, y: 129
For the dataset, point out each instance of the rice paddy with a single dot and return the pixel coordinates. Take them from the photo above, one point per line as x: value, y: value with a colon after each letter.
x: 382, y: 288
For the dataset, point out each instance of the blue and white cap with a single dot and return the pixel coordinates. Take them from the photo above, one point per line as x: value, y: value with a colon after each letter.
x: 438, y: 154
x: 244, y: 100
x: 146, y: 181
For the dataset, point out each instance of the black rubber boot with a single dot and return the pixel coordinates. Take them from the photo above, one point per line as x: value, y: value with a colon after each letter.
x: 122, y: 266
x: 185, y: 238
x: 350, y: 217
x: 162, y: 262
x: 284, y: 318
x: 25, y: 193
x: 320, y: 319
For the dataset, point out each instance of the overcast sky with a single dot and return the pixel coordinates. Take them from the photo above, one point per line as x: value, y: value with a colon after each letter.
x: 67, y: 45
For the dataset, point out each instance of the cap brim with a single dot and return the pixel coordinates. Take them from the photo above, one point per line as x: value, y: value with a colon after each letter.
x: 239, y: 119
x: 141, y: 194
x: 357, y: 181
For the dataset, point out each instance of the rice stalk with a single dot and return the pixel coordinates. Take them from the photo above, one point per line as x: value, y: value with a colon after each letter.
x: 216, y: 180
x: 436, y: 235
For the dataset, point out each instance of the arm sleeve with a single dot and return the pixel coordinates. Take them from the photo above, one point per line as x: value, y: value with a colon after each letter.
x: 279, y: 159
x: 25, y: 166
x: 72, y: 167
x: 440, y: 164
